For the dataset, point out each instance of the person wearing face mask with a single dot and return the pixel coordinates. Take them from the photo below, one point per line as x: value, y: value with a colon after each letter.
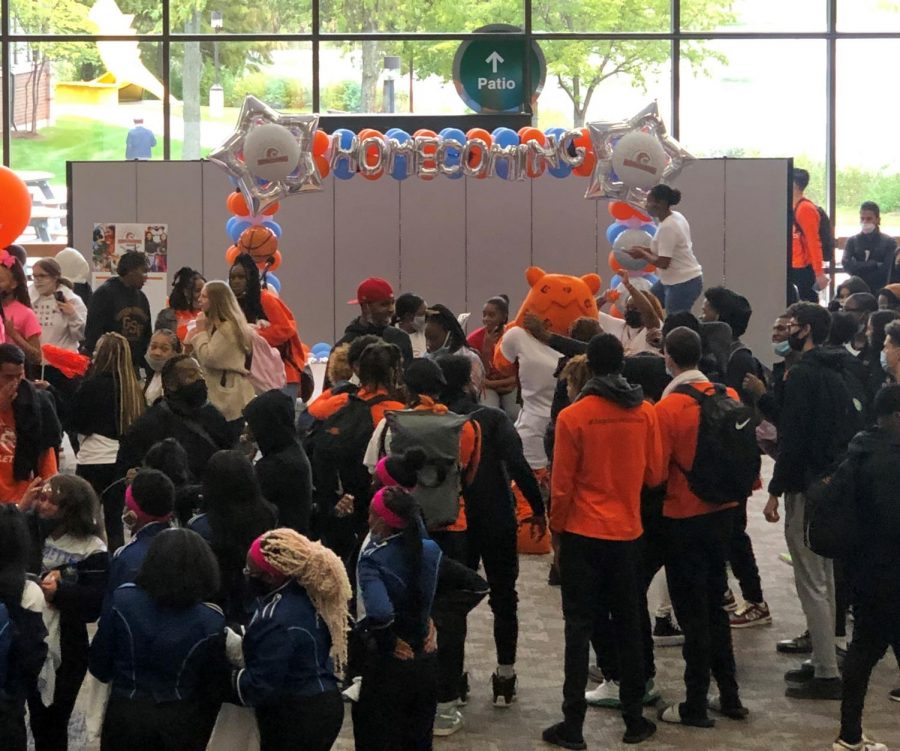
x: 164, y: 345
x: 850, y: 286
x: 445, y: 336
x: 409, y: 316
x: 500, y: 385
x: 643, y: 314
x: 876, y: 374
x: 184, y: 413
x: 869, y: 254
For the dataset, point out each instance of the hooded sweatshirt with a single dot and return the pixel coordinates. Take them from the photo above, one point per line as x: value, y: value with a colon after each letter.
x: 607, y: 447
x: 816, y: 422
x: 392, y: 335
x: 283, y: 471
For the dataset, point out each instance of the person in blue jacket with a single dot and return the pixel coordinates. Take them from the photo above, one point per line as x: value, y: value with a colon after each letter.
x: 294, y: 642
x: 22, y: 631
x: 397, y: 576
x: 161, y: 647
x: 149, y: 501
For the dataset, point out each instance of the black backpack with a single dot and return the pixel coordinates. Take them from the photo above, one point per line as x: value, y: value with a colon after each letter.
x: 830, y: 521
x: 726, y: 462
x: 826, y: 232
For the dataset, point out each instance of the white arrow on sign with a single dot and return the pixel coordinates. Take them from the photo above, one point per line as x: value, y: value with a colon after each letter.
x: 494, y: 59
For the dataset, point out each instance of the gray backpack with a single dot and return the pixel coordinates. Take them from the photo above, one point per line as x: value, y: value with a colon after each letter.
x: 439, y: 481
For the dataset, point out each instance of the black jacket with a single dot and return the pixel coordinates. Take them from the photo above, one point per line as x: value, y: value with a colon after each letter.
x: 22, y: 645
x: 769, y: 404
x: 283, y: 471
x: 391, y: 334
x: 37, y: 429
x: 94, y: 407
x: 121, y: 309
x: 874, y: 569
x: 813, y: 428
x: 870, y: 257
x: 201, y: 432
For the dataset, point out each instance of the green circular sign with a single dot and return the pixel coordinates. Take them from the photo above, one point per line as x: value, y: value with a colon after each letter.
x: 489, y: 73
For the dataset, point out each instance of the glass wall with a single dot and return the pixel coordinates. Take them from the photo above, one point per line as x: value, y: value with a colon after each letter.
x: 804, y: 78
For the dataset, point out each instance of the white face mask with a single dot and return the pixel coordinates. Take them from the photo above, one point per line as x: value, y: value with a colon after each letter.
x: 419, y: 323
x: 45, y: 286
x: 868, y: 227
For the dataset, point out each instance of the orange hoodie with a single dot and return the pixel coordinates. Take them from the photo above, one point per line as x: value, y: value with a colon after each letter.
x: 604, y: 454
x: 281, y: 333
x: 806, y: 246
x: 679, y: 423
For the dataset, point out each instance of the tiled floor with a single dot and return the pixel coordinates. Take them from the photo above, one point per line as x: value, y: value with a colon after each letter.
x: 776, y: 723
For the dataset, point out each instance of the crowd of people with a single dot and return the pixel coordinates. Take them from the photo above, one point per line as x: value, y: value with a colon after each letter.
x: 233, y: 562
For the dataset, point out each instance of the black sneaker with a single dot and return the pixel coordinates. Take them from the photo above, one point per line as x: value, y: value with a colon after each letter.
x: 556, y: 735
x: 463, y: 690
x: 666, y: 633
x: 816, y: 689
x: 640, y: 732
x: 799, y: 645
x: 504, y: 690
x: 805, y: 673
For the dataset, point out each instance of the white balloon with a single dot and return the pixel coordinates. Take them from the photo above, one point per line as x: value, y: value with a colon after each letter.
x: 639, y: 283
x: 271, y: 152
x: 639, y: 159
x: 628, y: 239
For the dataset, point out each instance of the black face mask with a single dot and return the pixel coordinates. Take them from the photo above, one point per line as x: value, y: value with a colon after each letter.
x: 796, y: 342
x: 256, y: 587
x: 192, y: 396
x: 633, y: 318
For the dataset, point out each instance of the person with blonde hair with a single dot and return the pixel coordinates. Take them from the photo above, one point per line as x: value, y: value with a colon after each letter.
x: 107, y: 402
x: 294, y: 643
x: 222, y: 342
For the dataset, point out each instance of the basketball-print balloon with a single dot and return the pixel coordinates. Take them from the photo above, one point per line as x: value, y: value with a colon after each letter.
x: 271, y: 152
x: 259, y: 243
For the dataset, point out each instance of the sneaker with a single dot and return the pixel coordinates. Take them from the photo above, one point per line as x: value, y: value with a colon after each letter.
x: 605, y: 695
x: 733, y: 711
x: 806, y: 672
x: 596, y: 674
x: 651, y: 693
x: 866, y: 744
x: 463, y: 698
x: 894, y: 695
x: 729, y: 604
x: 447, y: 721
x: 553, y: 577
x: 799, y: 645
x: 672, y: 714
x: 556, y: 735
x: 816, y: 689
x: 786, y: 558
x: 666, y: 633
x: 504, y: 690
x: 640, y: 732
x: 752, y: 614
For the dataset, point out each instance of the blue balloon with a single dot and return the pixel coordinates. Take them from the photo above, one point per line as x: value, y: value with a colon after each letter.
x: 400, y: 162
x: 321, y: 349
x: 614, y: 230
x: 237, y: 229
x: 615, y: 281
x: 652, y: 278
x: 274, y: 282
x: 564, y: 170
x: 274, y: 226
x: 504, y: 137
x: 342, y: 169
x: 650, y: 229
x: 453, y: 156
x: 229, y: 225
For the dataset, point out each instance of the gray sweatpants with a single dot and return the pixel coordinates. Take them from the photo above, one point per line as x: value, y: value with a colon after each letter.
x: 814, y: 579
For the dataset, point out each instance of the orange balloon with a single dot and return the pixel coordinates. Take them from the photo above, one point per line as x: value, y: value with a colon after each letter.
x: 274, y: 265
x: 586, y: 167
x: 236, y: 204
x: 478, y: 155
x: 615, y: 312
x: 322, y: 166
x: 527, y: 134
x: 15, y: 206
x: 613, y: 263
x: 642, y: 216
x: 321, y: 142
x: 621, y: 210
x: 271, y: 209
x: 430, y: 150
x: 371, y: 155
x: 231, y: 255
x: 480, y: 133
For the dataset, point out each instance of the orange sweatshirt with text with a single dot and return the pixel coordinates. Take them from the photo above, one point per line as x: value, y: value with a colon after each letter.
x: 806, y: 246
x: 604, y: 454
x: 679, y: 423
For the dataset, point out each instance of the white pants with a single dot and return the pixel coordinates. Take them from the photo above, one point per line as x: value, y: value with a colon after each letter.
x: 506, y: 402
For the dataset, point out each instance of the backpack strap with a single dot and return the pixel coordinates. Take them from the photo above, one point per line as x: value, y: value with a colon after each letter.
x: 195, y: 427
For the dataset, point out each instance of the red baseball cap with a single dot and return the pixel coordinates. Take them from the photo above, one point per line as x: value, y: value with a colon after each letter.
x: 373, y: 289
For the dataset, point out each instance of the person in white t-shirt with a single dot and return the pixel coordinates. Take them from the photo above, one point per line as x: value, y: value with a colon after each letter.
x: 643, y: 315
x: 409, y: 315
x: 671, y: 251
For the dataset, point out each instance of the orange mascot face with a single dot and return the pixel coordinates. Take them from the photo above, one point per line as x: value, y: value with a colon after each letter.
x: 559, y: 299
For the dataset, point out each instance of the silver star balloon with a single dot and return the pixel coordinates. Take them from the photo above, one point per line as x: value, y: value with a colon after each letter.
x: 284, y: 166
x: 632, y: 156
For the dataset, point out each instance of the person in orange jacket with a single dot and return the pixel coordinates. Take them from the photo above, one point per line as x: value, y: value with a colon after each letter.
x: 697, y: 545
x: 272, y: 319
x: 607, y: 448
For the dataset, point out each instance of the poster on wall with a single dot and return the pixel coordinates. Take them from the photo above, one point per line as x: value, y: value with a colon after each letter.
x: 111, y: 240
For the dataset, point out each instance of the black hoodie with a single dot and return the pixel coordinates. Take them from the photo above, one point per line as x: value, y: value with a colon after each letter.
x: 874, y: 568
x: 391, y: 334
x: 283, y: 471
x: 816, y: 422
x: 615, y: 388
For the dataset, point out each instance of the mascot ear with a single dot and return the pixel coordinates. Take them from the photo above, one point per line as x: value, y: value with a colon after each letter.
x: 593, y: 282
x: 534, y: 274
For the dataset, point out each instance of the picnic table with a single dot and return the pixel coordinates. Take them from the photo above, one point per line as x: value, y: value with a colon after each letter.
x: 41, y: 217
x: 39, y: 180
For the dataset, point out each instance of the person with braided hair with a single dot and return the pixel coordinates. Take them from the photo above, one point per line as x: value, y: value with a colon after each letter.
x: 396, y: 576
x: 294, y: 643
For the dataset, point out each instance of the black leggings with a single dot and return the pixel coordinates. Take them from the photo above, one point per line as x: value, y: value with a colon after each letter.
x: 144, y: 725
x: 101, y: 476
x: 314, y: 719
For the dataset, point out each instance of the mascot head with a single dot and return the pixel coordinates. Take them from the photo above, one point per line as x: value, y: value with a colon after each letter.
x: 558, y: 299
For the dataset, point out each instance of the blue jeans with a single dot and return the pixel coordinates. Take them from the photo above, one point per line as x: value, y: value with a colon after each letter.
x: 676, y: 298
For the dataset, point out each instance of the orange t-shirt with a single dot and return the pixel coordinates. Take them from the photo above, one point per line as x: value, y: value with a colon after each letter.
x: 679, y: 423
x: 12, y: 490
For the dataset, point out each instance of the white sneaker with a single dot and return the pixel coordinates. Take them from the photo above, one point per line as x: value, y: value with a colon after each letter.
x: 864, y: 745
x: 447, y: 720
x: 605, y: 695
